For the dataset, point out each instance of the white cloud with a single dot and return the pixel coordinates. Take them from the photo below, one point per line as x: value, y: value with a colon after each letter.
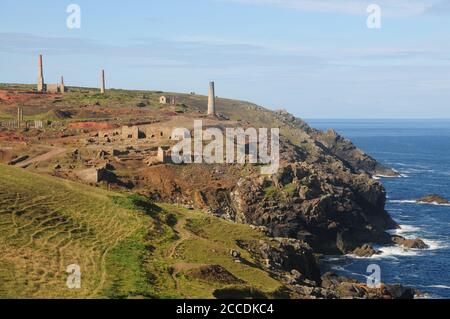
x: 396, y: 8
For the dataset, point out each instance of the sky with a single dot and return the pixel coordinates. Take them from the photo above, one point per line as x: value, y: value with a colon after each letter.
x: 314, y: 58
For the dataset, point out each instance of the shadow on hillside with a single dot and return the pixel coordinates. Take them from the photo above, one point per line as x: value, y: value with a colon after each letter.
x: 138, y: 202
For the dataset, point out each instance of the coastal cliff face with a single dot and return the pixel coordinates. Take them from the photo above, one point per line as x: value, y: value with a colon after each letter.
x: 324, y: 193
x: 334, y: 211
x: 322, y: 200
x: 333, y: 205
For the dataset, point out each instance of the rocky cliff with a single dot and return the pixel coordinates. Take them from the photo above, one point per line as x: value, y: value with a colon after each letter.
x: 324, y: 194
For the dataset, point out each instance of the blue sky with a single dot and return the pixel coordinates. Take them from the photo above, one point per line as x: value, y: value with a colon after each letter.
x: 315, y: 58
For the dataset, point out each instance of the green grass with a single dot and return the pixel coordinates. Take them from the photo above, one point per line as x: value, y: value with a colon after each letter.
x: 210, y: 242
x: 125, y: 245
x: 272, y: 192
x: 290, y: 189
x: 47, y: 224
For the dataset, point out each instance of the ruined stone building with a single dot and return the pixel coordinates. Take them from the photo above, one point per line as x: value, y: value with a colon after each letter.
x: 164, y: 155
x: 49, y: 88
x: 155, y: 132
x: 130, y: 132
x: 93, y: 175
x: 56, y: 88
x: 167, y: 100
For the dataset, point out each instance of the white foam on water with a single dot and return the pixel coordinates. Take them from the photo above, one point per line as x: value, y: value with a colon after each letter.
x: 435, y: 244
x: 438, y: 286
x: 412, y: 201
x: 432, y: 203
x: 404, y: 229
x: 394, y: 251
x: 402, y: 201
x: 333, y: 258
x: 389, y: 252
x: 344, y: 270
x: 379, y: 176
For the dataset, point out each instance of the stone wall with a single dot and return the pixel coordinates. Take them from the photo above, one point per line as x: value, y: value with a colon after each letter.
x: 130, y: 132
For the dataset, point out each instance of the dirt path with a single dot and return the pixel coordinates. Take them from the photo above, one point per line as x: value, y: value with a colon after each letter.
x: 42, y: 158
x: 183, y: 233
x: 181, y: 265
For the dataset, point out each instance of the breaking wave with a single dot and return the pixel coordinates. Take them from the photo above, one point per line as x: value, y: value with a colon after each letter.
x: 411, y: 201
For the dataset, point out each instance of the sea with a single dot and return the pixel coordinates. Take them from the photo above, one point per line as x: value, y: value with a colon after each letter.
x: 420, y: 151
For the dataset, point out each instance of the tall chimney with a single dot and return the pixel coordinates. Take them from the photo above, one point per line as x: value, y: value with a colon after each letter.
x: 62, y: 87
x: 40, y: 84
x: 102, y: 88
x: 19, y: 117
x: 211, y: 100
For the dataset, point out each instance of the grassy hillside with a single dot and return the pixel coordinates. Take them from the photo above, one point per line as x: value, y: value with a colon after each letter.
x: 126, y: 247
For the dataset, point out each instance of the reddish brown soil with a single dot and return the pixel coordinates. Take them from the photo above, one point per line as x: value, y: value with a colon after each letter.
x: 11, y: 136
x: 93, y: 125
x: 13, y: 97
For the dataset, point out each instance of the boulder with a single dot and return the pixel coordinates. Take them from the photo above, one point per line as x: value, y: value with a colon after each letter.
x: 415, y: 243
x: 400, y: 292
x: 235, y: 253
x: 290, y: 254
x: 365, y: 251
x: 433, y: 199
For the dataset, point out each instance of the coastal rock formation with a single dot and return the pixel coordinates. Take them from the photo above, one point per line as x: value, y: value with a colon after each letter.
x: 347, y: 151
x: 330, y: 208
x: 348, y: 288
x: 365, y: 251
x: 292, y: 256
x: 433, y: 199
x: 415, y: 243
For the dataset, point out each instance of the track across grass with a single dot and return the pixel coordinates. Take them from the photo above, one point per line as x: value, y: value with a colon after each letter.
x: 126, y: 246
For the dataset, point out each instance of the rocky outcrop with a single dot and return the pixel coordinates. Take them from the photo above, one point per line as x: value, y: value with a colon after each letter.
x: 415, y: 243
x: 291, y: 256
x: 365, y: 251
x: 433, y: 199
x: 330, y: 142
x: 348, y: 152
x: 349, y: 288
x: 333, y: 210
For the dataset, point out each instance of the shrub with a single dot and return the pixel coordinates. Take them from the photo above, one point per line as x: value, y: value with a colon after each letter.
x: 171, y: 219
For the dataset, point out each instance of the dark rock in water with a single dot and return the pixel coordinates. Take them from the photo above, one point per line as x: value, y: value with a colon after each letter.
x: 433, y: 199
x: 400, y: 292
x: 350, y: 288
x: 416, y: 243
x: 365, y: 251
